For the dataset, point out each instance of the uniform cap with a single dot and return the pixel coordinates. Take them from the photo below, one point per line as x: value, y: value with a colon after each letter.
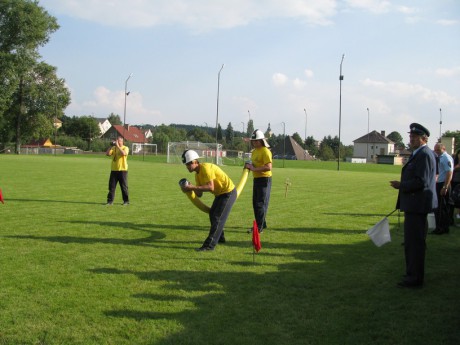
x: 417, y: 128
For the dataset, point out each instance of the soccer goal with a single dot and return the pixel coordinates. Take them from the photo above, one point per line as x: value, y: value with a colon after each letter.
x: 143, y: 149
x: 208, y: 151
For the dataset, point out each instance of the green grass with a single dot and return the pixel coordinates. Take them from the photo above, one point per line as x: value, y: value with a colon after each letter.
x: 73, y: 271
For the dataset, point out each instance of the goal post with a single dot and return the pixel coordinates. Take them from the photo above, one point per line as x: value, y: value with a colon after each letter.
x: 207, y: 151
x: 144, y: 149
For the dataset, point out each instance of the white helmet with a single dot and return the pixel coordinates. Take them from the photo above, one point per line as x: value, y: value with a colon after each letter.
x: 189, y: 155
x: 259, y: 135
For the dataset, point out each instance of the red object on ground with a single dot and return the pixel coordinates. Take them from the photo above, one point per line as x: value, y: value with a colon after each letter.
x: 256, y: 237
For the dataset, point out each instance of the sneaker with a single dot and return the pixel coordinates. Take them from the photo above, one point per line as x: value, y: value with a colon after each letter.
x: 126, y: 203
x: 204, y: 249
x: 109, y: 203
x: 457, y: 216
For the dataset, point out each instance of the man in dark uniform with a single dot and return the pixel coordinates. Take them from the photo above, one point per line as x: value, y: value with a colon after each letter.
x: 416, y: 198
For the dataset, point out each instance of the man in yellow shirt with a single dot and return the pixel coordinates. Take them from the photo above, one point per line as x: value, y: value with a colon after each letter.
x: 210, y: 178
x: 119, y: 170
x: 261, y: 167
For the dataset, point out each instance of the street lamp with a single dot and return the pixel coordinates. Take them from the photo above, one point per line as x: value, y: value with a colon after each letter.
x: 340, y: 112
x: 124, y: 112
x: 284, y: 141
x: 367, y: 152
x: 217, y: 111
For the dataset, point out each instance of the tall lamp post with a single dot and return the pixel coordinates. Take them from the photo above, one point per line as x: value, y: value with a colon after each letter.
x: 217, y: 111
x: 124, y: 112
x: 340, y: 112
x: 284, y: 141
x: 440, y: 124
x: 367, y: 152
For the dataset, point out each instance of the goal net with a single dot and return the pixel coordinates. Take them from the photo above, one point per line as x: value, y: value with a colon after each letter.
x: 144, y: 149
x: 208, y: 151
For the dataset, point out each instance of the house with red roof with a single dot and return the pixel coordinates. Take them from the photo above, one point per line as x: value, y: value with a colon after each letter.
x: 131, y: 134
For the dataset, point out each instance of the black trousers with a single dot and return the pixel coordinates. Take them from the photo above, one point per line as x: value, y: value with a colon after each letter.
x: 415, y: 230
x: 442, y: 213
x: 220, y: 210
x: 261, y: 190
x: 118, y: 177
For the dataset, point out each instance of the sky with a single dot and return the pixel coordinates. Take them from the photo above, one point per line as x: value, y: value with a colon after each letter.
x: 281, y: 59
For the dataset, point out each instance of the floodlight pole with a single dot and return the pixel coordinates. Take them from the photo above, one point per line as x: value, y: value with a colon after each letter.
x: 340, y: 112
x: 217, y: 111
x: 440, y: 124
x: 124, y: 112
x: 367, y: 152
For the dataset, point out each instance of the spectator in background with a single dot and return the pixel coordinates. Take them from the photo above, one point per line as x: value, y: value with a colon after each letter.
x: 446, y: 168
x: 454, y: 183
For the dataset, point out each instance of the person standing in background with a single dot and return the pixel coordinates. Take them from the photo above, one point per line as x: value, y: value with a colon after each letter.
x: 119, y: 170
x: 454, y: 183
x: 446, y: 169
x: 416, y: 198
x: 261, y: 167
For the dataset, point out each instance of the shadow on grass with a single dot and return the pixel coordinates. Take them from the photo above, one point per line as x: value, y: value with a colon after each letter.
x: 331, y: 294
x: 56, y: 201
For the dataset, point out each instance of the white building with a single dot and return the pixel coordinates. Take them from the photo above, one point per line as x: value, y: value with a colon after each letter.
x: 371, y: 145
x: 104, y: 125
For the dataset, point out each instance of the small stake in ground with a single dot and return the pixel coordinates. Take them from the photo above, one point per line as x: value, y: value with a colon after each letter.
x: 287, y: 184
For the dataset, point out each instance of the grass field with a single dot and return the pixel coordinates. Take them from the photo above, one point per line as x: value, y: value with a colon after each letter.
x: 74, y: 271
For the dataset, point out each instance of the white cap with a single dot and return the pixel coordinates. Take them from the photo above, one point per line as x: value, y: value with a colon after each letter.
x: 189, y: 155
x: 259, y: 135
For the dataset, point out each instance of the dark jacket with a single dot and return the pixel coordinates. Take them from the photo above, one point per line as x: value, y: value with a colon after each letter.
x: 417, y: 191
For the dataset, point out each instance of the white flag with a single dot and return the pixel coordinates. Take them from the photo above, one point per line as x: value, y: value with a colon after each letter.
x: 380, y: 232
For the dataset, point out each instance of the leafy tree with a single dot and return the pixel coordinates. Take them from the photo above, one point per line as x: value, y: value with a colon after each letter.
x: 311, y: 147
x: 250, y: 128
x: 31, y: 93
x: 114, y: 119
x: 298, y: 139
x: 332, y: 143
x: 326, y: 152
x: 396, y: 138
x: 84, y: 127
x: 453, y: 134
x: 229, y: 133
x: 198, y: 134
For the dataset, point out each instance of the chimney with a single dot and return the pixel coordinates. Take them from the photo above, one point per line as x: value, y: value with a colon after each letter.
x: 127, y: 127
x: 383, y: 133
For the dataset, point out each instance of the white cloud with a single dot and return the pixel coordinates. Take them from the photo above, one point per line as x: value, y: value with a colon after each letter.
x: 374, y: 6
x: 106, y: 101
x: 309, y: 73
x: 298, y: 83
x: 199, y: 15
x: 279, y: 79
x: 448, y: 72
x: 406, y: 10
x: 416, y: 91
x: 447, y: 22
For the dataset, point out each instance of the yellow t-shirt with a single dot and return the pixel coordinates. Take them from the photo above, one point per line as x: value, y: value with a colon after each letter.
x: 222, y: 183
x: 119, y: 162
x: 260, y: 157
